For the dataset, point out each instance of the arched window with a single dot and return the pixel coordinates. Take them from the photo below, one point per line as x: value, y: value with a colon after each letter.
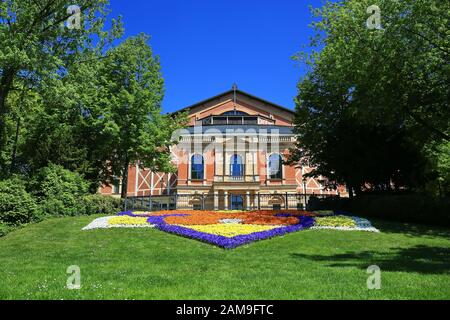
x: 236, y: 166
x: 234, y: 113
x: 197, y: 172
x: 275, y: 167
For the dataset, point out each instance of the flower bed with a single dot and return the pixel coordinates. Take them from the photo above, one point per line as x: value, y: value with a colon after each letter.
x: 345, y: 223
x: 222, y: 236
x: 230, y: 229
x: 118, y: 222
x: 127, y: 220
x: 335, y: 221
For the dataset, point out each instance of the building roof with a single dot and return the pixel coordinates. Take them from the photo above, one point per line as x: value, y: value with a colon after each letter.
x: 258, y: 129
x: 231, y: 91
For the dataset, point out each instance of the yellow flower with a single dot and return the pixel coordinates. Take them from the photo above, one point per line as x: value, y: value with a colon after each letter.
x: 335, y: 221
x: 140, y: 212
x: 231, y: 229
x: 127, y: 220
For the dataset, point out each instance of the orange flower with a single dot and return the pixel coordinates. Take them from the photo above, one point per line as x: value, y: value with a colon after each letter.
x: 261, y: 217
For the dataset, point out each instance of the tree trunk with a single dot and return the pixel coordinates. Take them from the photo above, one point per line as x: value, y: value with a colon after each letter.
x: 5, y: 86
x: 350, y: 189
x: 350, y: 192
x: 16, y: 140
x: 358, y: 191
x: 125, y: 180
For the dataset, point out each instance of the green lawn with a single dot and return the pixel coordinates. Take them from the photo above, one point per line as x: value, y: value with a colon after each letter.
x: 150, y: 264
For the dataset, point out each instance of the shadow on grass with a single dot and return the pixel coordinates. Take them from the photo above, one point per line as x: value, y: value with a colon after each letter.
x: 420, y: 259
x: 413, y: 230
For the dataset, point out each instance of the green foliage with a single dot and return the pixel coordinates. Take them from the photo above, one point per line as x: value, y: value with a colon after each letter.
x: 65, y: 193
x: 398, y: 73
x: 403, y: 208
x: 130, y: 92
x: 374, y: 100
x: 59, y: 191
x: 37, y: 47
x: 440, y: 168
x: 5, y: 229
x: 443, y: 168
x: 99, y: 204
x: 54, y: 191
x: 17, y: 206
x: 47, y: 88
x: 407, y: 208
x: 69, y: 97
x: 54, y: 180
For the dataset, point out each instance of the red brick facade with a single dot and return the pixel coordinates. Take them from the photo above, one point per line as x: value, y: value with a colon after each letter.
x: 230, y: 126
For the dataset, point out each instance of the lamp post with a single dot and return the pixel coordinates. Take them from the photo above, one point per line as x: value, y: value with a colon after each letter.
x: 304, y: 190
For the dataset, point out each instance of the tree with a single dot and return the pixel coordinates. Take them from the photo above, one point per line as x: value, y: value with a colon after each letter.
x: 69, y: 98
x: 369, y: 92
x: 64, y: 126
x: 399, y: 72
x: 131, y: 91
x: 36, y: 46
x: 346, y: 151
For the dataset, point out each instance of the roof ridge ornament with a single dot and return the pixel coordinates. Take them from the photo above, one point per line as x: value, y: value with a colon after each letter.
x: 234, y: 88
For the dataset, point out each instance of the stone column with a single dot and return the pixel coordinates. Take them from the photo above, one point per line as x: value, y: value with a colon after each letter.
x: 216, y: 201
x: 225, y: 200
x: 248, y: 200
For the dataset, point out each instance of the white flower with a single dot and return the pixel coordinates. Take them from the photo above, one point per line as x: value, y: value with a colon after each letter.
x: 102, y: 223
x: 230, y: 221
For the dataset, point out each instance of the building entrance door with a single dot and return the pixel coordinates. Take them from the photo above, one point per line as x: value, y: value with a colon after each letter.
x: 237, y: 202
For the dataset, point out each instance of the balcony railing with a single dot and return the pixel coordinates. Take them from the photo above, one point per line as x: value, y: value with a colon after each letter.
x: 243, y: 178
x: 216, y: 201
x: 230, y: 120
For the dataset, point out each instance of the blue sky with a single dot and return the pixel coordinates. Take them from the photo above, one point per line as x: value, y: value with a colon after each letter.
x: 207, y: 45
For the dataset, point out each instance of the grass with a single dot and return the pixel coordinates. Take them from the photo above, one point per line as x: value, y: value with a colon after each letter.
x: 150, y: 264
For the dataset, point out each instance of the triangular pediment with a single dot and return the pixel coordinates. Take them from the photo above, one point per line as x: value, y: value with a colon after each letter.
x: 241, y: 102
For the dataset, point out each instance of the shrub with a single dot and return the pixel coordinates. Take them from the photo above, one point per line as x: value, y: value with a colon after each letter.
x: 326, y: 203
x: 403, y: 208
x: 98, y: 204
x: 5, y: 229
x: 60, y: 191
x: 413, y: 208
x: 17, y: 206
x: 54, y: 180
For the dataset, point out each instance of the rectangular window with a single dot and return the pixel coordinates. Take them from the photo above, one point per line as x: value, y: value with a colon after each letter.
x: 197, y: 171
x: 116, y: 186
x: 197, y: 207
x: 197, y: 174
x: 275, y: 167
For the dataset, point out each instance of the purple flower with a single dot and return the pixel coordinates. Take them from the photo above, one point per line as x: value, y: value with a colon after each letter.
x: 283, y: 215
x: 127, y: 213
x: 226, y: 242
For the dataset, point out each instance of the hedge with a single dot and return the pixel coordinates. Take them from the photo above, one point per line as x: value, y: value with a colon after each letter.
x: 53, y: 191
x: 17, y: 206
x: 59, y: 191
x: 403, y: 208
x: 98, y: 204
x: 412, y: 208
